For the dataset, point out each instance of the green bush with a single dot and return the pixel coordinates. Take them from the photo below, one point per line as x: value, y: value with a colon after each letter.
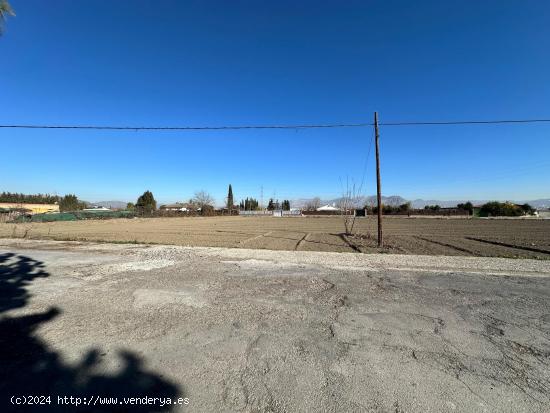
x: 389, y: 209
x: 468, y: 206
x: 528, y: 209
x: 433, y: 207
x: 70, y: 202
x: 500, y: 209
x: 405, y: 207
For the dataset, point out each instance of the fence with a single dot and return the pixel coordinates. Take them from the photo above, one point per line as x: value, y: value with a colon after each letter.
x: 326, y: 213
x: 275, y: 213
x: 206, y: 212
x: 292, y: 213
x: 8, y: 215
x: 255, y: 213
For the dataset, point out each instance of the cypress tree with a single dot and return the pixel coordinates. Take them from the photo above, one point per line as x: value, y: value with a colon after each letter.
x: 230, y: 198
x: 146, y: 203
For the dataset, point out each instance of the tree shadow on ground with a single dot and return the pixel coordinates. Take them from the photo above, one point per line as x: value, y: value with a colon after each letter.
x: 30, y: 367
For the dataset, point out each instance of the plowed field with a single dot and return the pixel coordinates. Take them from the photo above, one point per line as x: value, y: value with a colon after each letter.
x: 469, y: 237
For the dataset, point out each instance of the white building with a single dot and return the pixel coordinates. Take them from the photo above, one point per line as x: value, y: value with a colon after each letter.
x: 96, y: 208
x: 179, y: 207
x: 328, y: 208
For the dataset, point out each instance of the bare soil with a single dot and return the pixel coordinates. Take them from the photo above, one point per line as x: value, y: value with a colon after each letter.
x: 519, y: 238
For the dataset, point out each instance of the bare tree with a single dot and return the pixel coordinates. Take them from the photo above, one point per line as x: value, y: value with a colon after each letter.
x: 313, y: 204
x: 347, y: 204
x: 202, y: 199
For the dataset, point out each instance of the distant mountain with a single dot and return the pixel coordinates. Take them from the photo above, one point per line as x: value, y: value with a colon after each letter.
x: 396, y: 200
x: 421, y: 203
x: 109, y: 204
x: 361, y: 201
x: 393, y: 200
x: 299, y: 202
x: 539, y: 203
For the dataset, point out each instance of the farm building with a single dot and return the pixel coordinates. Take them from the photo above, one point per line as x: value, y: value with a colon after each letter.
x: 96, y: 208
x: 328, y: 208
x: 179, y: 207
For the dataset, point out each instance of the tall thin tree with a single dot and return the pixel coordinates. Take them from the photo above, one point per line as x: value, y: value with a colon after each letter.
x: 230, y: 199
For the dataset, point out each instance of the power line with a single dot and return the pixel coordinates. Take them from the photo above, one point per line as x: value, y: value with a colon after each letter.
x: 184, y: 128
x: 366, y: 164
x: 464, y: 122
x: 301, y: 126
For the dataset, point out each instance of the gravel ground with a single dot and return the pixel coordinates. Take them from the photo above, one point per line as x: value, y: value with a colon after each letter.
x: 274, y: 331
x: 511, y: 238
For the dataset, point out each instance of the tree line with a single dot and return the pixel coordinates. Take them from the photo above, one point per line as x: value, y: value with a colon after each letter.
x: 505, y: 209
x: 249, y: 204
x: 69, y: 202
x: 489, y: 209
x: 203, y: 201
x: 29, y: 199
x: 146, y: 204
x: 275, y: 205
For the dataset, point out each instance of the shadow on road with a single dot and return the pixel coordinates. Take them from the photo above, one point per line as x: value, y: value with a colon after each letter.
x: 30, y: 367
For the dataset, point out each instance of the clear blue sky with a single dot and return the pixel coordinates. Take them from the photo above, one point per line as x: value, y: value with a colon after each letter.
x: 165, y: 63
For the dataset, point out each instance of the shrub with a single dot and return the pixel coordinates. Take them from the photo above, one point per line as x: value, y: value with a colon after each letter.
x: 405, y: 207
x: 528, y: 209
x: 70, y: 203
x: 433, y: 207
x: 466, y: 207
x: 207, y: 211
x: 500, y: 209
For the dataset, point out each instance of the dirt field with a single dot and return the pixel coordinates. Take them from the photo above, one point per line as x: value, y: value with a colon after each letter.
x: 426, y: 236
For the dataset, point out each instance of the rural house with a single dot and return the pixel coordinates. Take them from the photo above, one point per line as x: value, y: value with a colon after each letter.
x: 177, y: 207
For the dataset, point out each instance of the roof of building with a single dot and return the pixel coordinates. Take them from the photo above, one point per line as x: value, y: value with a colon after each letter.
x: 177, y: 205
x: 97, y: 208
x: 328, y: 208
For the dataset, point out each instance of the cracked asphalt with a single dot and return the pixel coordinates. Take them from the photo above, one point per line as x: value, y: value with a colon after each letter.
x: 296, y: 331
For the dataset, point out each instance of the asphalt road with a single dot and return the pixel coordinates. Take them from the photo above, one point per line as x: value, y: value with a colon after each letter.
x: 272, y: 331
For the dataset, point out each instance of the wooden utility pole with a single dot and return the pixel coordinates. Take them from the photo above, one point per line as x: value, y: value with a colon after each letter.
x: 378, y: 186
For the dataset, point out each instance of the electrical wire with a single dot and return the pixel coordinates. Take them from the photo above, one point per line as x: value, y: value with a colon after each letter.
x: 464, y: 122
x: 299, y: 126
x: 366, y: 164
x: 185, y: 128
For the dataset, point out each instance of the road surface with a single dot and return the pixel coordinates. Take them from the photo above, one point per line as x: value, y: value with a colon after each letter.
x: 272, y: 331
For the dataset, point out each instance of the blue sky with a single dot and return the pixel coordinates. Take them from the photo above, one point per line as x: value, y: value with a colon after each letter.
x: 199, y: 63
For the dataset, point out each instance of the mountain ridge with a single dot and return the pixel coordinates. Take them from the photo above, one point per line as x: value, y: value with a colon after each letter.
x: 395, y: 200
